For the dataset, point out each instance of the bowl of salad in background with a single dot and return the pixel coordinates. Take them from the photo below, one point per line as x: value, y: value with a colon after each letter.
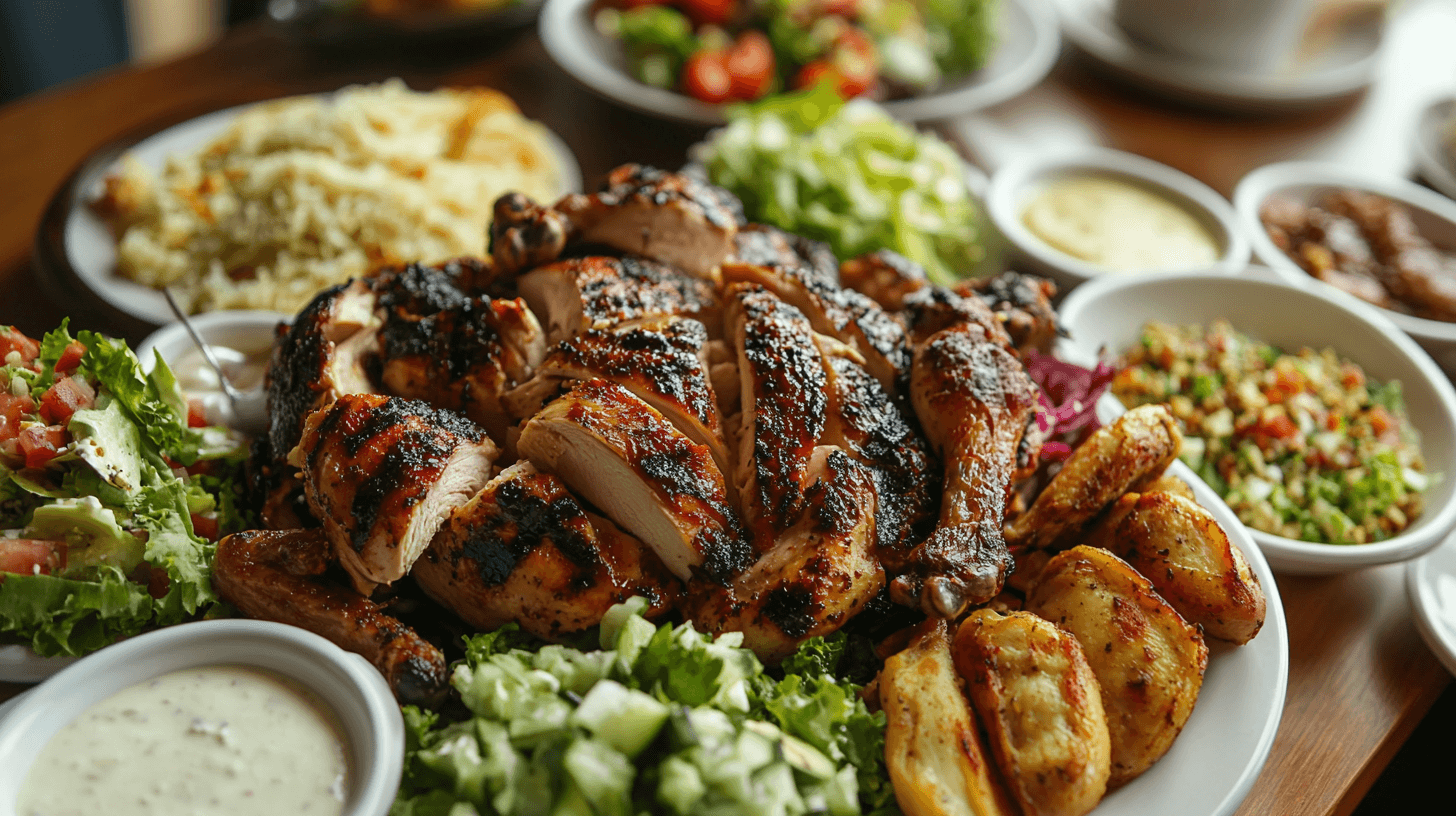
x: 685, y: 59
x: 1111, y: 315
x: 850, y: 175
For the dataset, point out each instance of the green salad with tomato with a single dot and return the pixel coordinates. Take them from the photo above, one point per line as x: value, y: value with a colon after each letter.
x: 109, y: 496
x: 660, y: 719
x: 740, y: 50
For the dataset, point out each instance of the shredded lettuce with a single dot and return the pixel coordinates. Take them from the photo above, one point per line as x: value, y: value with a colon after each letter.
x: 661, y: 719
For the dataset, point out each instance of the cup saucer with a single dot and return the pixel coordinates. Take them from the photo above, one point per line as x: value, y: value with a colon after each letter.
x: 1339, y: 63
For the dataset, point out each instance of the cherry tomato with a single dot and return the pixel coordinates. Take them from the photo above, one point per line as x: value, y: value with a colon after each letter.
x: 709, y: 12
x: 705, y: 77
x: 29, y: 556
x: 11, y: 339
x: 846, y: 86
x: 71, y: 357
x: 750, y: 65
x: 857, y: 61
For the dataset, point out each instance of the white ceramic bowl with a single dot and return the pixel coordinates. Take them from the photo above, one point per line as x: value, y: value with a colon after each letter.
x: 1433, y: 213
x: 1014, y: 186
x: 250, y: 332
x: 366, y: 710
x: 1110, y: 313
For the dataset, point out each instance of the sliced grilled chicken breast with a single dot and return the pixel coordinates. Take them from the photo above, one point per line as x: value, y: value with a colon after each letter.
x: 764, y: 245
x: 885, y: 276
x: 668, y: 217
x: 818, y: 574
x: 572, y: 296
x: 623, y: 456
x: 383, y: 473
x: 524, y: 550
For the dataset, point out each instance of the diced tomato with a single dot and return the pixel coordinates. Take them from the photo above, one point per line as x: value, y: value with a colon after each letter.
x: 205, y: 527
x: 705, y: 77
x: 1287, y: 383
x: 1380, y: 420
x: 1351, y: 376
x: 29, y: 556
x: 750, y: 66
x: 39, y: 444
x: 196, y: 414
x: 12, y: 339
x: 1279, y: 427
x: 848, y: 9
x: 66, y: 397
x: 12, y: 410
x: 709, y: 12
x: 71, y: 357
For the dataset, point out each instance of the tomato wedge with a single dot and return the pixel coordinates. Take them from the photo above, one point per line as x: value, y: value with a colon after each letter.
x: 66, y: 397
x: 71, y: 357
x: 29, y: 556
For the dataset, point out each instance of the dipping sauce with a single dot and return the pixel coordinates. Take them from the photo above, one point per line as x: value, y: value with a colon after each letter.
x: 228, y: 740
x: 1119, y: 226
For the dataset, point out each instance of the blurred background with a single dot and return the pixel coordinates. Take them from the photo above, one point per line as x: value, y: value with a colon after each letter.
x: 49, y: 42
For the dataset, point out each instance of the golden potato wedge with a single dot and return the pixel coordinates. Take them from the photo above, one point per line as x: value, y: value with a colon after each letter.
x: 1147, y: 659
x: 1127, y: 455
x: 933, y: 750
x: 1168, y: 483
x: 1031, y: 686
x: 1178, y: 545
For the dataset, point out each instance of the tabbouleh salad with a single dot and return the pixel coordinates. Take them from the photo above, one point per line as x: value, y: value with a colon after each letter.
x: 1300, y: 445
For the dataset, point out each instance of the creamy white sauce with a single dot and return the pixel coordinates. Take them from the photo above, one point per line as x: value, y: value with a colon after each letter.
x: 231, y: 740
x: 244, y: 369
x: 1119, y: 226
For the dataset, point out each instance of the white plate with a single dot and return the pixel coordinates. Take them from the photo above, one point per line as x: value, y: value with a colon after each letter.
x: 83, y: 251
x: 1430, y: 582
x: 1434, y: 216
x: 1027, y: 46
x: 1220, y: 752
x: 1344, y: 65
x: 1110, y: 313
x: 1435, y: 150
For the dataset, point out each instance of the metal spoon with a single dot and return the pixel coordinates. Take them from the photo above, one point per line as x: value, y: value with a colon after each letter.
x: 249, y: 408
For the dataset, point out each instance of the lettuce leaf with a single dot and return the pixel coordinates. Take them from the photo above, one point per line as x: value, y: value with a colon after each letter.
x: 60, y: 616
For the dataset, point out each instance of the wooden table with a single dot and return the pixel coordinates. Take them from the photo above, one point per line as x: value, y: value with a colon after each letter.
x: 1360, y: 679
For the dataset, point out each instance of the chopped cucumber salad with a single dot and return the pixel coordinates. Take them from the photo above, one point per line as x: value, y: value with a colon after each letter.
x: 850, y: 175
x: 1300, y: 445
x: 663, y: 719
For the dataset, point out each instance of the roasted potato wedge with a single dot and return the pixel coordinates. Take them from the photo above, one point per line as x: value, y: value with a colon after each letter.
x: 1179, y: 546
x: 1033, y: 689
x: 1147, y: 659
x: 936, y: 757
x: 1129, y: 454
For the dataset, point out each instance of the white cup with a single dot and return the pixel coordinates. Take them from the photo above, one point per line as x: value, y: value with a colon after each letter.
x: 1253, y: 36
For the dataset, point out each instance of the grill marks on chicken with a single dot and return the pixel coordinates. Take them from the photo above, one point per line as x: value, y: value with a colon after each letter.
x: 524, y: 549
x: 596, y: 291
x: 383, y: 473
x: 623, y: 456
x: 275, y: 575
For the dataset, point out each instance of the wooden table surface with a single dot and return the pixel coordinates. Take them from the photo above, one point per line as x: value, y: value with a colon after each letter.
x: 1361, y: 679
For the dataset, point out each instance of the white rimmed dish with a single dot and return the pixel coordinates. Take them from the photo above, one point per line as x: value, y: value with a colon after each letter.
x: 1341, y: 65
x: 1110, y: 313
x: 1434, y: 215
x: 1028, y: 41
x: 366, y: 711
x: 76, y: 251
x: 1436, y: 151
x: 1430, y: 583
x: 1013, y: 187
x: 250, y: 332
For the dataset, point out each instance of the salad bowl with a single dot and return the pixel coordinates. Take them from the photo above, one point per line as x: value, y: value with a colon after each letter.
x: 1106, y: 316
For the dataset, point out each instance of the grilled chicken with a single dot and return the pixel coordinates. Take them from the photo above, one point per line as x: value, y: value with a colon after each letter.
x: 973, y: 399
x: 455, y: 352
x: 624, y: 457
x: 572, y: 296
x: 1124, y: 456
x: 662, y: 360
x: 763, y: 245
x: 818, y: 574
x: 525, y: 235
x: 1023, y: 304
x: 524, y: 550
x: 277, y: 575
x: 885, y: 276
x: 843, y: 314
x: 383, y: 473
x: 782, y: 402
x: 668, y: 217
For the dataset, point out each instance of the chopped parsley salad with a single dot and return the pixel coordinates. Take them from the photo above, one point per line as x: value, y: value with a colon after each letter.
x: 1300, y: 445
x: 110, y: 494
x: 661, y: 719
